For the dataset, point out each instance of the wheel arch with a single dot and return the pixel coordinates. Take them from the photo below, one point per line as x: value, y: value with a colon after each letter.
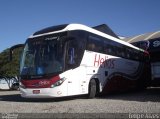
x: 97, y: 84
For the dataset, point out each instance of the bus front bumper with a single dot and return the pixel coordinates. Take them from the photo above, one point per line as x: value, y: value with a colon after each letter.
x: 41, y: 93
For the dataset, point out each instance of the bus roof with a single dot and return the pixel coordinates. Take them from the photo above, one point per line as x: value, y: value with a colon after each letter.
x: 71, y: 27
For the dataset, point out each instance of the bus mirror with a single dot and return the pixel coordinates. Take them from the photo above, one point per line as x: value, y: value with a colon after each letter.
x: 71, y: 56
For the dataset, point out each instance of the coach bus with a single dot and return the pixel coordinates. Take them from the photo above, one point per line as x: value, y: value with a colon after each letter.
x: 153, y: 47
x: 74, y: 59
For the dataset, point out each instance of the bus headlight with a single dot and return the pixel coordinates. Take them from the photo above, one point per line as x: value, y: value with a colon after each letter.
x: 58, y: 83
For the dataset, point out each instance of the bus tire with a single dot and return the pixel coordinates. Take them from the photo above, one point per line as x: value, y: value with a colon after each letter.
x: 92, y: 89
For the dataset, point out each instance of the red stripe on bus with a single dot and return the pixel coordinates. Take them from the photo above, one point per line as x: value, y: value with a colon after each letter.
x: 40, y: 83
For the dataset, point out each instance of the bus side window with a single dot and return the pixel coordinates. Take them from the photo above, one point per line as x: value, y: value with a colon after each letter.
x: 71, y: 56
x: 95, y: 44
x: 72, y: 60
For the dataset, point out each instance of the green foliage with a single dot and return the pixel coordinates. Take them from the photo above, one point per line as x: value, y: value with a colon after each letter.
x: 10, y: 68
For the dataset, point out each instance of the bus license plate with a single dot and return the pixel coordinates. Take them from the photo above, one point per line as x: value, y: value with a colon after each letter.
x: 36, y: 91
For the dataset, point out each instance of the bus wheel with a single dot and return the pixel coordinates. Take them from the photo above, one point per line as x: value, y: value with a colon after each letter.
x: 92, y: 89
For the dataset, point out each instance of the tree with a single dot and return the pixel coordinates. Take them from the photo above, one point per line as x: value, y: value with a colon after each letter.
x: 10, y: 68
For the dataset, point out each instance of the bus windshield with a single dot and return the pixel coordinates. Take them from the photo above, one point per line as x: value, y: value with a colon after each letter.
x: 42, y: 56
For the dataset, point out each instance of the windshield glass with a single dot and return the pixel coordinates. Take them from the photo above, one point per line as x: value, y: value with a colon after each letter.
x: 42, y: 56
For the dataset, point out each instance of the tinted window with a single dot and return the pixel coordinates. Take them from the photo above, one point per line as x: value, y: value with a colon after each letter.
x: 95, y: 44
x: 107, y: 46
x: 75, y: 47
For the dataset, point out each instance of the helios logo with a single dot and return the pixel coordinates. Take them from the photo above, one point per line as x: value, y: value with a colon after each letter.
x: 44, y: 83
x: 104, y: 62
x: 156, y: 43
x: 40, y: 83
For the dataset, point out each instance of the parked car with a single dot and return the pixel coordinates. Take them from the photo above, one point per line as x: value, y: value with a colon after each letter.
x: 9, y: 83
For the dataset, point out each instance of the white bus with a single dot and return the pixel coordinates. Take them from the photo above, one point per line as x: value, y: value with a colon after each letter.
x: 74, y: 59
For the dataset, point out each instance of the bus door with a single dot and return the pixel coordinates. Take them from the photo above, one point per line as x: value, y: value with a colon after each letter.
x: 76, y: 80
x: 81, y: 79
x: 77, y: 83
x: 73, y: 84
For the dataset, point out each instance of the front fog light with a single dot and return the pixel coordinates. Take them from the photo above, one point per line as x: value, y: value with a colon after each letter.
x: 58, y: 83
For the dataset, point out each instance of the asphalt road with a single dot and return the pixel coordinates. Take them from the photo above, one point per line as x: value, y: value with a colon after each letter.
x: 146, y: 101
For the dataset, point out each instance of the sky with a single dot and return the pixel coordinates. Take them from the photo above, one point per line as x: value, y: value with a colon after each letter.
x: 21, y: 18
